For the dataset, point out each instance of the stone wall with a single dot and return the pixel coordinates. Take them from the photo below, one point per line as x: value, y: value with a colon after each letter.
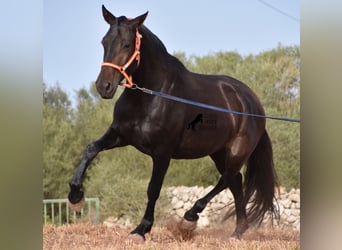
x: 182, y: 198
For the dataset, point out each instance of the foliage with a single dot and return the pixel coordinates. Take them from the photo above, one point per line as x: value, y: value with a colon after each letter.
x: 58, y: 137
x: 120, y: 177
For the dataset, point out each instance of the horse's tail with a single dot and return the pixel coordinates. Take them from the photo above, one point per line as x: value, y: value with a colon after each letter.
x: 260, y: 182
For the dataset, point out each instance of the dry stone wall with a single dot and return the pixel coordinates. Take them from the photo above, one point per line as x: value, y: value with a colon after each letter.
x: 182, y: 198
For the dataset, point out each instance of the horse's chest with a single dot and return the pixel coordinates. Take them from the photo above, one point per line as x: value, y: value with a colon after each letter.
x: 143, y: 134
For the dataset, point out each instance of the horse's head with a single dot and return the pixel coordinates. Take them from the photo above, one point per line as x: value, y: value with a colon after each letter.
x: 121, y: 52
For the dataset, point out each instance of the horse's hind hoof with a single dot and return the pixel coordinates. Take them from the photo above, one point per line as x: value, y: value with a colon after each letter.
x: 187, y: 226
x: 136, y: 238
x: 237, y: 234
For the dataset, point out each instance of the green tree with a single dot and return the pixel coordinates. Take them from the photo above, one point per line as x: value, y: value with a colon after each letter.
x: 57, y: 138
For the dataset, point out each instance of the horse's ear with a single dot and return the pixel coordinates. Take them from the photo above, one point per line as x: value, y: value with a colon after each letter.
x: 109, y: 17
x: 138, y: 21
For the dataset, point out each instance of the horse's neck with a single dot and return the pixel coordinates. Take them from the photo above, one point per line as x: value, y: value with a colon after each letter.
x: 157, y: 67
x: 154, y: 72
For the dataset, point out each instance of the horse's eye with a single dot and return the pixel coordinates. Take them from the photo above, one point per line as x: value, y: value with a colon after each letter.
x: 126, y: 45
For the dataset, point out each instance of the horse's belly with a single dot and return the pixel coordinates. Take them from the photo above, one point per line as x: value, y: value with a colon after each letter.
x: 205, y: 134
x: 197, y: 144
x: 189, y: 154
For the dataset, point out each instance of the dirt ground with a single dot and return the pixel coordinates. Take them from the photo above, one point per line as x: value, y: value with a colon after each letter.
x: 90, y: 236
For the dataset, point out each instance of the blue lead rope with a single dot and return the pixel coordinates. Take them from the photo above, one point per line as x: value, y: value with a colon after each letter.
x: 207, y: 106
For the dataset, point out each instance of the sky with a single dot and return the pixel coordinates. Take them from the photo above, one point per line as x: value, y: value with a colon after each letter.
x: 73, y: 30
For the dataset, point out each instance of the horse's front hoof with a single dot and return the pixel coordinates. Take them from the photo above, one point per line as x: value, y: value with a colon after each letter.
x: 76, y: 199
x: 143, y: 228
x: 76, y: 194
x: 78, y: 206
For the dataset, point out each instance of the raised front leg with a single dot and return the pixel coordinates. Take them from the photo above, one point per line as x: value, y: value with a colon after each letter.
x: 108, y: 141
x: 160, y: 166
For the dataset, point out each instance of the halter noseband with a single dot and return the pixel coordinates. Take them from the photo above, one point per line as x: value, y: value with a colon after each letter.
x: 135, y: 56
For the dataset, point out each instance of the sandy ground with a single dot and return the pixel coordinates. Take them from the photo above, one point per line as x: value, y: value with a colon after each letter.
x: 90, y: 236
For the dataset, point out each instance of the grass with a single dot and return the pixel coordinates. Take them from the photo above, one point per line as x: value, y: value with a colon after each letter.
x: 90, y: 236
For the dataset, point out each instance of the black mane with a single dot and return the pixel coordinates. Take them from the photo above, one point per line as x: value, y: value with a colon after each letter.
x: 149, y: 36
x: 154, y: 42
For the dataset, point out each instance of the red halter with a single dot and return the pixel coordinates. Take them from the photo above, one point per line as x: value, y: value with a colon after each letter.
x: 135, y: 56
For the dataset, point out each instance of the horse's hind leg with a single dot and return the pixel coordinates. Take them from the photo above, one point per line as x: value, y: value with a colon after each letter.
x: 192, y: 214
x: 235, y: 187
x: 232, y: 178
x: 199, y: 206
x: 109, y: 140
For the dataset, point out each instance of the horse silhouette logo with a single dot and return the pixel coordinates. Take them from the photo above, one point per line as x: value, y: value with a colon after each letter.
x: 198, y: 119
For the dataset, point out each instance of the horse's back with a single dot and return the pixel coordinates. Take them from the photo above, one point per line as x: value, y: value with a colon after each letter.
x: 222, y: 91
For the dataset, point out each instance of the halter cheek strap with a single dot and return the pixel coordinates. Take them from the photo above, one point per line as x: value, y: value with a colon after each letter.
x: 135, y: 56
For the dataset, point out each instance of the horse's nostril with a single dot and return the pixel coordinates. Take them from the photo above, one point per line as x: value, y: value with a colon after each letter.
x: 107, y: 86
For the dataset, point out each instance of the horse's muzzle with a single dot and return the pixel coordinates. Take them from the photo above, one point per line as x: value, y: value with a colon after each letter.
x: 106, y: 90
x: 107, y: 83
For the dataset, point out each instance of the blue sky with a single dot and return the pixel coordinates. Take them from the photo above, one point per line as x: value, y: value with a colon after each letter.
x: 72, y: 31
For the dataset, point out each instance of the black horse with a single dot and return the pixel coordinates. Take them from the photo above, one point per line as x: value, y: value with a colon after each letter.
x: 159, y: 127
